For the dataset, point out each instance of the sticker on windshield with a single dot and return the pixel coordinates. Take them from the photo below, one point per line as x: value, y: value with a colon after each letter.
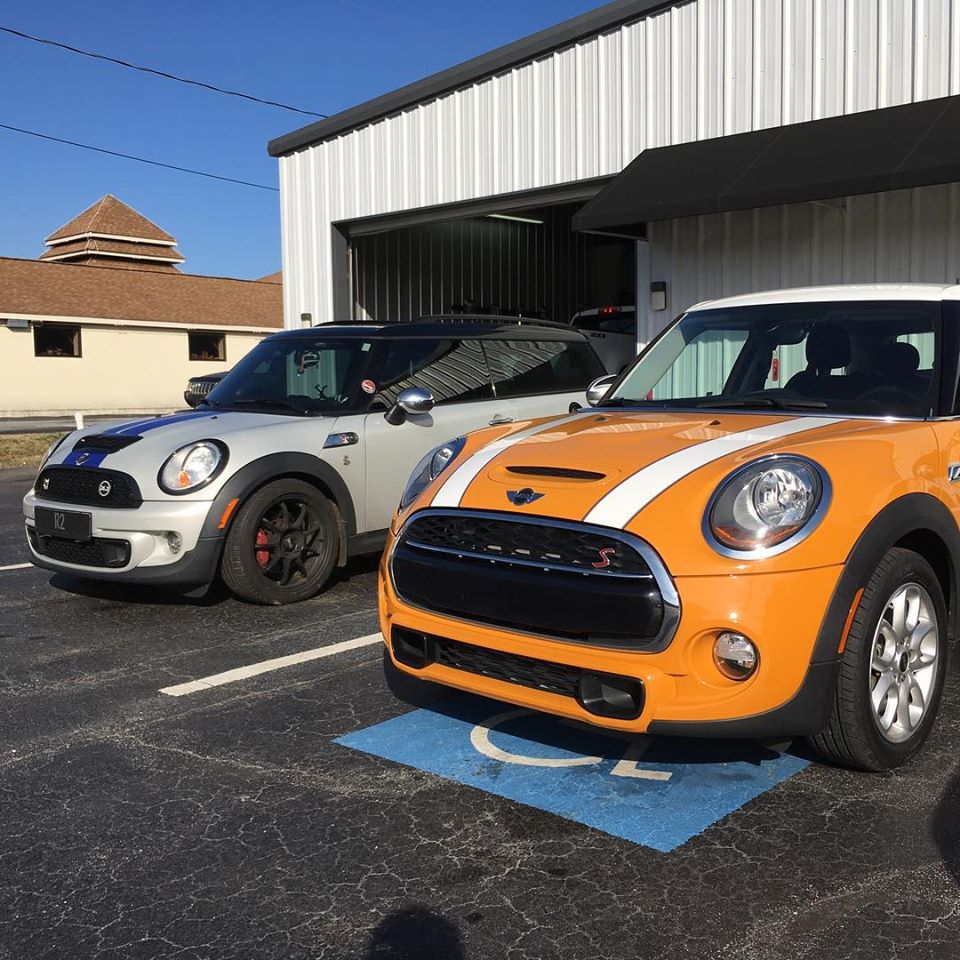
x: 368, y: 386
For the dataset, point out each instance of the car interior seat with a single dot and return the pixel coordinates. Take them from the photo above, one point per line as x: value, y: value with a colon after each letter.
x: 828, y: 348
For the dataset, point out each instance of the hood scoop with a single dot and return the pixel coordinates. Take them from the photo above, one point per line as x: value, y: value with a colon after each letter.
x: 105, y: 442
x: 556, y: 473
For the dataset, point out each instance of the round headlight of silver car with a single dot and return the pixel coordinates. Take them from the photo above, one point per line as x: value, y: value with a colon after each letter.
x: 193, y: 466
x: 764, y: 507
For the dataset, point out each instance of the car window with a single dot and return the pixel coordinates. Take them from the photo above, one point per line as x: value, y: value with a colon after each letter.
x: 454, y: 371
x: 874, y: 358
x: 312, y: 375
x: 523, y: 368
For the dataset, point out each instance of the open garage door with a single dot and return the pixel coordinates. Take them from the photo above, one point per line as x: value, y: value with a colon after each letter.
x: 526, y: 262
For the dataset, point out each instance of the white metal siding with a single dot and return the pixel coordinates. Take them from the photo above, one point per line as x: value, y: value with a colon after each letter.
x: 701, y: 69
x: 901, y: 236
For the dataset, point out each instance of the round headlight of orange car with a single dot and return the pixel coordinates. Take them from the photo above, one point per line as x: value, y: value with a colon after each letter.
x: 767, y: 506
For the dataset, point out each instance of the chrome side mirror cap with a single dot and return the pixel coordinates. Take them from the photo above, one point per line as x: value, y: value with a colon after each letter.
x: 413, y: 400
x: 599, y: 389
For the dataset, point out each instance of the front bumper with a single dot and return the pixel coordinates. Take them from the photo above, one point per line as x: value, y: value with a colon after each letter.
x: 142, y: 536
x: 683, y: 692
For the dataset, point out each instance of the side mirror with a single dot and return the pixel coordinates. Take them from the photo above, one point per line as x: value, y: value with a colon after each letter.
x: 411, y: 401
x: 598, y: 389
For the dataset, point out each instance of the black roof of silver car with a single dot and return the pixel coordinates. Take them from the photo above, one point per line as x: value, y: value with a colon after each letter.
x: 439, y: 325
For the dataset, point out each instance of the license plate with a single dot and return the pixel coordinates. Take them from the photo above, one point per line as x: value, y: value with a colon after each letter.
x: 67, y: 524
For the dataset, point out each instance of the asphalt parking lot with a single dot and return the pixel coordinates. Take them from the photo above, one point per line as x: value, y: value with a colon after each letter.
x: 308, y: 812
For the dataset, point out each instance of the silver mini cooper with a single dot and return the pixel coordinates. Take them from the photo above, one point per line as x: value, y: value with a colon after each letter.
x: 297, y: 459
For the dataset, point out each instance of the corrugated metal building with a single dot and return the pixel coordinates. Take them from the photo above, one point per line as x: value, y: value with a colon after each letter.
x: 396, y: 207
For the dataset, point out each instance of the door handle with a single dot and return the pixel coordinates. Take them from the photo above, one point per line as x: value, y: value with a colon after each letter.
x: 497, y: 421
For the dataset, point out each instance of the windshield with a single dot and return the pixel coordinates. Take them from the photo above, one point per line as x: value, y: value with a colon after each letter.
x: 296, y: 375
x: 867, y: 358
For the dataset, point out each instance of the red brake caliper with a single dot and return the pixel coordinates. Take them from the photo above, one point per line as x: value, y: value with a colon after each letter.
x: 263, y: 556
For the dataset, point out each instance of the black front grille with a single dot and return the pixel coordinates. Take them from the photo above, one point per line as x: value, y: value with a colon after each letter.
x: 571, y: 547
x: 200, y: 388
x: 549, y: 578
x: 509, y: 667
x: 105, y: 442
x: 90, y: 553
x: 86, y: 485
x: 602, y: 694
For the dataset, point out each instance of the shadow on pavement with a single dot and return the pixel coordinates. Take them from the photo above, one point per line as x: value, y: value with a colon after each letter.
x: 132, y: 593
x: 415, y: 933
x: 945, y: 827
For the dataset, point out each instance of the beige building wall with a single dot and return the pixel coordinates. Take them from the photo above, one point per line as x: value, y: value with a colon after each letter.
x: 123, y: 369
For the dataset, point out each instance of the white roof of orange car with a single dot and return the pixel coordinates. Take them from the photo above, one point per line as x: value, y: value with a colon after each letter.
x: 848, y: 291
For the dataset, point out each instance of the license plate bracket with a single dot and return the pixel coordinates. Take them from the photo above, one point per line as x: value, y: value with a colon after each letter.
x: 65, y: 524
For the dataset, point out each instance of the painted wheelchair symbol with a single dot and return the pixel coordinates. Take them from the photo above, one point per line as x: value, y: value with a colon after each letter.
x: 627, y: 766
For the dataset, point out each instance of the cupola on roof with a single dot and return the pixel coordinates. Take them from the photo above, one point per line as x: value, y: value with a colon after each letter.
x: 110, y: 233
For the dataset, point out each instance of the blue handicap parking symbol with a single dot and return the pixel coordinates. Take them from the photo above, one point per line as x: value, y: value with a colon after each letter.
x: 658, y: 792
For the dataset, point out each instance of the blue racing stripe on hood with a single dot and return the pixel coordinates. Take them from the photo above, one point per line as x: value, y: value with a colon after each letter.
x: 142, y: 426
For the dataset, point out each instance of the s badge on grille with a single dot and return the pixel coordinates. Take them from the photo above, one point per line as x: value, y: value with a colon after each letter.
x: 82, y: 459
x: 605, y: 554
x: 521, y: 498
x: 104, y: 488
x: 46, y: 483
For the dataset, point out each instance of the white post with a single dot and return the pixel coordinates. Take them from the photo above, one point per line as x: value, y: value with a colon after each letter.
x: 78, y: 420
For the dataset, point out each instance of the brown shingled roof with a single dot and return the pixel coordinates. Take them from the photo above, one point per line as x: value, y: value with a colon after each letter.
x: 38, y: 288
x: 272, y: 278
x: 114, y: 218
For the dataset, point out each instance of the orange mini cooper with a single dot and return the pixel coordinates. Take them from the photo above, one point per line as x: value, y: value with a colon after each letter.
x: 752, y: 533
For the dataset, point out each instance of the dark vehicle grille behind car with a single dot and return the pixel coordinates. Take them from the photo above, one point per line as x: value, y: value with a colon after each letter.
x: 91, y: 553
x: 553, y: 579
x: 83, y: 485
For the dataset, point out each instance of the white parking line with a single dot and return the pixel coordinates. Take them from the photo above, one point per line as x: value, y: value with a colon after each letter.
x: 16, y: 566
x: 265, y: 666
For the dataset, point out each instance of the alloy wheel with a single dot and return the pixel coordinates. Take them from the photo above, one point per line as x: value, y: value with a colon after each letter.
x: 289, y: 543
x: 904, y: 662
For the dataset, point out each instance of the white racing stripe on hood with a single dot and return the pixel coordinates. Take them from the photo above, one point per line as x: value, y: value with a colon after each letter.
x: 454, y: 487
x: 626, y: 500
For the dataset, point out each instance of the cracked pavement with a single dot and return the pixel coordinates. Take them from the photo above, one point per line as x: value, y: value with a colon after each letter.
x: 228, y: 824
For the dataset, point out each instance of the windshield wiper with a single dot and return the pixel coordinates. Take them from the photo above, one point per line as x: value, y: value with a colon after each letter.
x: 270, y: 402
x: 798, y: 404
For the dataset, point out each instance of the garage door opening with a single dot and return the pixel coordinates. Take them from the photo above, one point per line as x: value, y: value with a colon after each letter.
x: 528, y: 263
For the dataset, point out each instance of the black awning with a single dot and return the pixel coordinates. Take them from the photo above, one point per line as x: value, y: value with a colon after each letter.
x: 909, y: 146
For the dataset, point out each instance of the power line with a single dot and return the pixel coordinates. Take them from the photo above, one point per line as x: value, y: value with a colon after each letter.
x: 130, y: 156
x: 158, y: 73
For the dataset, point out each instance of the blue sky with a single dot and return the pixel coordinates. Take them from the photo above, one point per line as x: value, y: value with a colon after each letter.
x: 324, y: 55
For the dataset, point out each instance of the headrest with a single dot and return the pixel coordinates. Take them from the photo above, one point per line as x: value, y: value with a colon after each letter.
x: 828, y: 347
x: 899, y: 359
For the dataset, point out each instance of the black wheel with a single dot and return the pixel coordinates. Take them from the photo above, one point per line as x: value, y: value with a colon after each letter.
x: 282, y: 545
x: 892, y: 669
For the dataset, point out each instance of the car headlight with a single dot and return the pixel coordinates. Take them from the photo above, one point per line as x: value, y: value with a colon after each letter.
x: 53, y: 446
x: 192, y: 467
x: 429, y: 468
x: 762, y: 507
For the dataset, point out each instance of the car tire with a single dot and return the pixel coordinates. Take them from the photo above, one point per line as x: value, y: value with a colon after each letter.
x: 886, y: 699
x: 282, y: 545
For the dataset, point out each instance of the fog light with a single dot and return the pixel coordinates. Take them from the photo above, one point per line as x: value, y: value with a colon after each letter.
x: 174, y: 542
x: 735, y: 656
